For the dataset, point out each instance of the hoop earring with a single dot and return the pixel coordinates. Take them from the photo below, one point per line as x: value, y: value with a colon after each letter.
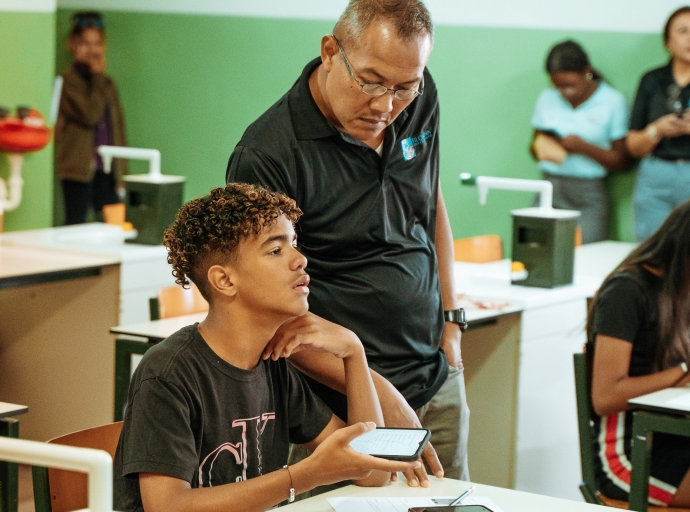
x: 589, y: 76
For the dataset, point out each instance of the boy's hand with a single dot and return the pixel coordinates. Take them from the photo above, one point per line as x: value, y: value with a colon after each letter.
x: 336, y: 460
x: 311, y: 332
x: 398, y: 413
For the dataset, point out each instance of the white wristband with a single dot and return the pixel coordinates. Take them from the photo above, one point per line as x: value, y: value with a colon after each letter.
x: 652, y: 133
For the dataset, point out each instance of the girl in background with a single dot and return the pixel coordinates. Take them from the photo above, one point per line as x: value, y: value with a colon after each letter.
x: 660, y: 131
x: 579, y: 134
x: 90, y: 115
x: 639, y: 333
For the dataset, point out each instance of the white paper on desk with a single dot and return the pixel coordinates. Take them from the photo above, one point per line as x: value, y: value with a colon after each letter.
x: 352, y: 504
x: 682, y: 401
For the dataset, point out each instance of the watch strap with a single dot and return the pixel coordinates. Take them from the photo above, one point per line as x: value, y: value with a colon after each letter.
x: 457, y: 316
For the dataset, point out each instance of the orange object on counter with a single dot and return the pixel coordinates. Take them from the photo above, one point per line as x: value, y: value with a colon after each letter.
x: 23, y: 133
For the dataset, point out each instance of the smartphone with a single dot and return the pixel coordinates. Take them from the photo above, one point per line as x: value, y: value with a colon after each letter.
x: 393, y: 443
x: 451, y: 508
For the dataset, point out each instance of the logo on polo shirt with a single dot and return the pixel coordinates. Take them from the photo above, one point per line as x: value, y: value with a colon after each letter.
x: 408, y: 145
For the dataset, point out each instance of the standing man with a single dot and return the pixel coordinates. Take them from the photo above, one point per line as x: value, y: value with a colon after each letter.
x: 355, y: 143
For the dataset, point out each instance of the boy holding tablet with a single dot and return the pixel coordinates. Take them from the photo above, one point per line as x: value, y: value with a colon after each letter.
x: 213, y: 408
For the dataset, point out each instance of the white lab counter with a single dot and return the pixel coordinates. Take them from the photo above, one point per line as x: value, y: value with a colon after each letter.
x: 551, y: 327
x: 61, y: 289
x: 56, y: 355
x: 144, y: 268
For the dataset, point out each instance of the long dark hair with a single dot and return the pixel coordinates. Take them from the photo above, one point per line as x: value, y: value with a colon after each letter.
x: 570, y: 56
x: 666, y: 256
x: 674, y: 15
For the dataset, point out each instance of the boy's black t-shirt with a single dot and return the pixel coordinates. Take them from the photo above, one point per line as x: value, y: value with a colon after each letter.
x: 193, y: 416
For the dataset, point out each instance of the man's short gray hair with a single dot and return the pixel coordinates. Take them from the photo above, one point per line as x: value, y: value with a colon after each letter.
x: 409, y: 17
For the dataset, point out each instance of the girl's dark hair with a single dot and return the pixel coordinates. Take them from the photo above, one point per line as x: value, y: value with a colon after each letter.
x: 667, y: 253
x: 569, y: 56
x: 676, y: 13
x: 86, y: 19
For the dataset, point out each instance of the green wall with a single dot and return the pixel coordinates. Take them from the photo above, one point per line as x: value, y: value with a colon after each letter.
x: 489, y: 80
x: 192, y: 83
x: 27, y: 70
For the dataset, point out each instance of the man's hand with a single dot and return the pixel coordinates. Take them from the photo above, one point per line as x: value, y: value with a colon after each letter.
x: 398, y: 413
x: 311, y: 332
x: 450, y: 343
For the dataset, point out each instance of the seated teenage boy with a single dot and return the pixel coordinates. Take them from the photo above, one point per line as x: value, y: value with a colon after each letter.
x: 213, y: 408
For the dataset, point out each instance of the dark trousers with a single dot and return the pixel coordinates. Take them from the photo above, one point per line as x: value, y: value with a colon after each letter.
x: 95, y: 193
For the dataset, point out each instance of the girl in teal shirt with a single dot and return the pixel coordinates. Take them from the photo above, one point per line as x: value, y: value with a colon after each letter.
x: 580, y: 128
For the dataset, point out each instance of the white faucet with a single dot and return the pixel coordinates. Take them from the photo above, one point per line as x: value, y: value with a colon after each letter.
x: 15, y: 183
x: 484, y: 183
x: 152, y: 155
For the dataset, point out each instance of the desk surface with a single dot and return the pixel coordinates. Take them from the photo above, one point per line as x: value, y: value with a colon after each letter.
x: 593, y: 262
x: 7, y: 409
x: 670, y: 400
x: 482, y: 284
x: 508, y: 500
x: 17, y: 261
x: 93, y: 238
x: 158, y: 330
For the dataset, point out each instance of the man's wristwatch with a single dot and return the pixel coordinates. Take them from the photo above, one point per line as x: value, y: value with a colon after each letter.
x: 457, y: 316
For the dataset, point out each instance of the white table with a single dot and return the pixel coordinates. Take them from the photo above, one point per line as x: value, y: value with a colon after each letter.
x: 143, y: 268
x: 55, y: 310
x: 531, y: 394
x: 157, y: 330
x: 508, y: 500
x: 669, y: 401
x: 7, y: 409
x: 667, y: 411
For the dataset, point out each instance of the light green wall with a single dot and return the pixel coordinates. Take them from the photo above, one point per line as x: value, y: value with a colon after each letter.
x: 27, y: 70
x: 191, y: 84
x: 489, y: 80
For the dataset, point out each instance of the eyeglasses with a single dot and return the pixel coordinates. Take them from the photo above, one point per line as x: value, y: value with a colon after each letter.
x: 378, y: 89
x: 87, y: 20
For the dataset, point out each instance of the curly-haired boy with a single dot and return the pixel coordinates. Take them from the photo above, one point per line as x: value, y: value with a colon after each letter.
x: 213, y: 408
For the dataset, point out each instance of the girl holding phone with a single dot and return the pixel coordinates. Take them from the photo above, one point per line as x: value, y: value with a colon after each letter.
x: 579, y: 133
x: 660, y: 131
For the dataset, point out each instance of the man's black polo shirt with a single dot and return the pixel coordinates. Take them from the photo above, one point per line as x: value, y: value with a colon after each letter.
x: 653, y: 101
x: 367, y: 230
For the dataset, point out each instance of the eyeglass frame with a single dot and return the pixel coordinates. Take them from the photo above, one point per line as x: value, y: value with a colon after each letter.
x: 383, y: 88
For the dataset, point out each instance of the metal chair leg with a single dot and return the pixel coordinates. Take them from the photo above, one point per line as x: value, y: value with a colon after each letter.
x: 9, y: 474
